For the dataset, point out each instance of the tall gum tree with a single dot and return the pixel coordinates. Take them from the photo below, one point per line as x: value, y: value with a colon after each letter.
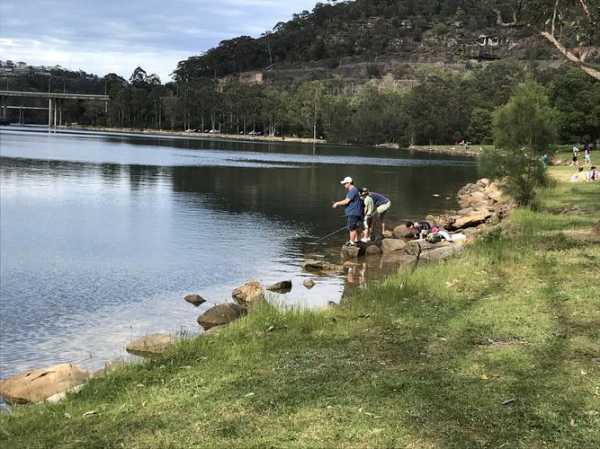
x: 571, y: 26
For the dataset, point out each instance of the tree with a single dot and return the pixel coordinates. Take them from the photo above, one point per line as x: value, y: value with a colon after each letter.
x: 524, y: 129
x: 570, y: 26
x: 577, y: 21
x: 309, y: 98
x: 480, y: 128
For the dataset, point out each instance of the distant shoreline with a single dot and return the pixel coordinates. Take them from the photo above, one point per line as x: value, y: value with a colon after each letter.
x: 451, y: 150
x: 192, y: 135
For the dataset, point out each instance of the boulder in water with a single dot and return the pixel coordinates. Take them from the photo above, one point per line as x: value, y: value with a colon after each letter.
x: 40, y: 384
x: 323, y: 268
x: 195, y: 300
x: 309, y: 283
x: 249, y: 294
x: 281, y: 287
x: 221, y: 314
x: 151, y: 345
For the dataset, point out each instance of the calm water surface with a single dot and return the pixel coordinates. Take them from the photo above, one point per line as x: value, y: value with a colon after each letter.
x: 102, y: 235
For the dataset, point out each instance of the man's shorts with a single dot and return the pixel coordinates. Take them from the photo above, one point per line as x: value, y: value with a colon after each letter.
x: 381, y: 210
x: 354, y: 222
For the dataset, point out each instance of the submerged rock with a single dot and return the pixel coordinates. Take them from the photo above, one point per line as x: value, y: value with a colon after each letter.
x: 323, y: 268
x: 195, y: 300
x: 281, y: 287
x: 221, y: 314
x: 151, y: 345
x: 309, y: 283
x: 248, y: 294
x: 40, y: 384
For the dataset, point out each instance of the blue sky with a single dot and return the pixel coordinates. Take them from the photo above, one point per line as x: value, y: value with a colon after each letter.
x: 118, y: 35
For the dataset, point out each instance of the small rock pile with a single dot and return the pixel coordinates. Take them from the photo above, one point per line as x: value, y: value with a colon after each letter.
x: 480, y: 202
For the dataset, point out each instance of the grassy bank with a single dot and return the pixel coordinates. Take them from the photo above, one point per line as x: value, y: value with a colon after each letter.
x: 498, y: 348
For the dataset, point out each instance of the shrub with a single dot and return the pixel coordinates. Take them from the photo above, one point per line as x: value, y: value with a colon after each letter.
x: 524, y: 129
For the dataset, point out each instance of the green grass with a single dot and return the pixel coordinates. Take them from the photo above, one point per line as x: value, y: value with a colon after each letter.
x: 422, y: 360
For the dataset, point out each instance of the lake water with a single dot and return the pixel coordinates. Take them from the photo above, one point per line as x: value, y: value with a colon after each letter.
x: 101, y: 235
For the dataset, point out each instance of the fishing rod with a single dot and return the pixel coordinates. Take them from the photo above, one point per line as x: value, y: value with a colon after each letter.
x: 343, y: 228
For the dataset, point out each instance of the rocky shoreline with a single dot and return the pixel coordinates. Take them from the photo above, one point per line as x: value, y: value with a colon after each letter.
x: 483, y: 207
x: 450, y: 150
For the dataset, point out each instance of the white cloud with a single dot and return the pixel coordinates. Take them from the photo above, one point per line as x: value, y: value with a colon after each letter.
x: 117, y: 36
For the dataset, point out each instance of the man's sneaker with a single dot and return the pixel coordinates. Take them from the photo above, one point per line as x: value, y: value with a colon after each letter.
x: 365, y: 240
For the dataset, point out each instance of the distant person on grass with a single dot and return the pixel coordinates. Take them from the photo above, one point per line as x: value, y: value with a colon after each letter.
x: 354, y: 209
x: 575, y: 155
x: 593, y: 175
x: 587, y: 154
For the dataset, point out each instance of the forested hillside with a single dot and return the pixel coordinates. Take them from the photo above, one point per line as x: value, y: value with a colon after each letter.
x: 368, y: 72
x: 371, y: 30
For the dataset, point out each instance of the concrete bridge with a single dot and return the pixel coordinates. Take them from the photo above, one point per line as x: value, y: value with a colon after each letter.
x: 55, y: 103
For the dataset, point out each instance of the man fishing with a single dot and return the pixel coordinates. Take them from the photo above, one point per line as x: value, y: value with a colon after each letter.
x: 354, y: 209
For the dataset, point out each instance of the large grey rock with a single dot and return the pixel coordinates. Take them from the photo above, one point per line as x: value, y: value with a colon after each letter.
x: 195, y: 300
x: 442, y: 253
x: 40, y: 384
x: 221, y: 315
x: 402, y: 232
x: 281, y: 287
x: 392, y: 245
x: 151, y: 345
x: 494, y: 193
x: 398, y: 258
x: 415, y: 247
x: 475, y: 218
x: 249, y: 294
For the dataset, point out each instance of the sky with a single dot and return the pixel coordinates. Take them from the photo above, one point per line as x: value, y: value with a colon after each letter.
x: 105, y: 36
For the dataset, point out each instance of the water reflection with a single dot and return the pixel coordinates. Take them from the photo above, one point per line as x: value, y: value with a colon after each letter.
x: 101, y: 236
